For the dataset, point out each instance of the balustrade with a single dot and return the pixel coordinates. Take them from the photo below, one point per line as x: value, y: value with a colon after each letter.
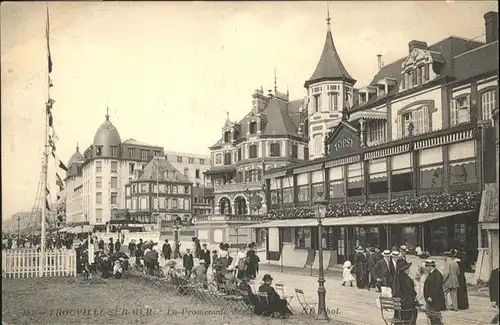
x: 237, y: 187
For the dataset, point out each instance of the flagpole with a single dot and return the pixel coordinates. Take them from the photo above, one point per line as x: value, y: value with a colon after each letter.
x: 45, y: 157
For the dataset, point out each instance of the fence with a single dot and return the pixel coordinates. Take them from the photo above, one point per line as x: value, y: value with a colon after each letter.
x: 25, y: 263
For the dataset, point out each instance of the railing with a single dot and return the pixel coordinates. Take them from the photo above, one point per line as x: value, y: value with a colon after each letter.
x: 25, y: 263
x: 238, y: 187
x: 229, y: 217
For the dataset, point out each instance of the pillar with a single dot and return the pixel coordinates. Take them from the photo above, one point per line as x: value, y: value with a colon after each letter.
x: 362, y: 133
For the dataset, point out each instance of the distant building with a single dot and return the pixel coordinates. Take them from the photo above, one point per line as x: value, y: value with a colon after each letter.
x: 193, y: 166
x: 203, y: 201
x: 159, y: 187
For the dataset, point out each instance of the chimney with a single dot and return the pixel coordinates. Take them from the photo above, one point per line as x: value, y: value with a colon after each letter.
x: 416, y: 45
x: 379, y: 61
x: 491, y: 23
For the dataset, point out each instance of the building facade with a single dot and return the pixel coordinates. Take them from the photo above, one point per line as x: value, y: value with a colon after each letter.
x: 159, y: 190
x: 272, y: 134
x: 193, y: 166
x: 405, y: 164
x: 203, y: 201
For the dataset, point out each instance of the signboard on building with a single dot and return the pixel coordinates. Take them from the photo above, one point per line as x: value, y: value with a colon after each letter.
x: 343, y: 140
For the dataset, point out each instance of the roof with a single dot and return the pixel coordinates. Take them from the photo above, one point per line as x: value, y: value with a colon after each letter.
x: 107, y: 135
x: 138, y: 143
x: 443, y: 51
x: 76, y: 157
x: 283, y: 119
x: 478, y: 61
x: 203, y: 191
x: 329, y: 67
x: 155, y: 169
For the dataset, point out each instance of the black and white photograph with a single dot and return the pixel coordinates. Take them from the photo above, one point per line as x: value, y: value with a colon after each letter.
x: 250, y: 162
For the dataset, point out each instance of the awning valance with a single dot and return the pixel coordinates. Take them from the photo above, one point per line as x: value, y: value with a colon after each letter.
x: 306, y: 169
x: 368, y: 114
x: 391, y: 219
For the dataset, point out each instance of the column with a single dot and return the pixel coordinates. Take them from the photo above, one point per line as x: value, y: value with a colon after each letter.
x: 362, y: 133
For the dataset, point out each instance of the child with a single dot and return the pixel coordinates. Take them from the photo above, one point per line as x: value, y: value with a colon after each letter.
x: 347, y: 275
x: 118, y: 269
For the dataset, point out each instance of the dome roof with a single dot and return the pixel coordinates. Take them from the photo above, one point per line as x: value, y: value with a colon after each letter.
x: 77, y: 157
x: 107, y: 135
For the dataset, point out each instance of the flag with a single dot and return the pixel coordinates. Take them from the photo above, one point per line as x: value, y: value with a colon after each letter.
x: 47, y: 205
x: 47, y: 192
x: 59, y: 182
x: 47, y: 36
x: 62, y: 166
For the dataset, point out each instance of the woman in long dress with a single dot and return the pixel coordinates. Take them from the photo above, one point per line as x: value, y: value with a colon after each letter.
x: 404, y: 288
x: 462, y: 297
x: 420, y: 276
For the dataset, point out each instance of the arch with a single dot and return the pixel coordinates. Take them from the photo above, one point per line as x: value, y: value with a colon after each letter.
x: 225, y: 205
x: 241, y: 205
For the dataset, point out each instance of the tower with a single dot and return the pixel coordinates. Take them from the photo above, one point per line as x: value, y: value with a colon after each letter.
x: 329, y: 89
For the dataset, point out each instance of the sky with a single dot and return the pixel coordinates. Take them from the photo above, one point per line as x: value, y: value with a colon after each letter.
x: 170, y: 71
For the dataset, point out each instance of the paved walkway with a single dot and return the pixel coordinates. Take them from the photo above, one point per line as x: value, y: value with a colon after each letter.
x: 359, y: 306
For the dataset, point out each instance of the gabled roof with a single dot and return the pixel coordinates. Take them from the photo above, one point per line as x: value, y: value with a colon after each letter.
x: 330, y: 66
x: 156, y: 169
x: 283, y: 119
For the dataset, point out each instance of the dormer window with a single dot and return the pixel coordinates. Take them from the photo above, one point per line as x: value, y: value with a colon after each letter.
x: 227, y: 136
x: 114, y: 151
x: 253, y: 127
x: 98, y: 151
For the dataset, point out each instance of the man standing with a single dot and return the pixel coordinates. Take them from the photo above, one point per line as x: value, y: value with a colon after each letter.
x: 433, y: 293
x: 360, y: 267
x: 205, y: 256
x: 167, y: 250
x: 111, y: 246
x: 188, y: 262
x: 403, y: 250
x: 450, y: 279
x: 493, y: 284
x: 384, y: 271
x: 372, y: 260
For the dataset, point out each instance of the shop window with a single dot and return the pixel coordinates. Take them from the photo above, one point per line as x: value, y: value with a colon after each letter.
x: 431, y: 176
x: 401, y: 182
x: 302, y: 237
x: 439, y: 239
x: 275, y: 197
x: 355, y: 180
x: 287, y: 235
x: 317, y: 188
x: 463, y: 173
x: 303, y: 193
x: 288, y: 195
x: 410, y: 236
x: 378, y: 176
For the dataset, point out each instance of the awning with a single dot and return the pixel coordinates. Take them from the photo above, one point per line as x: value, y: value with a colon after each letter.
x: 81, y: 229
x: 221, y: 169
x: 391, y: 219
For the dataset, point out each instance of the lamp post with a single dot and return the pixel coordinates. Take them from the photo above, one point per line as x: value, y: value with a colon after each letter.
x: 18, y: 227
x: 320, y: 212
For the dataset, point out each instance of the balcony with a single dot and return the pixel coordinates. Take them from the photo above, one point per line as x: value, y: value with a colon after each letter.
x: 237, y: 187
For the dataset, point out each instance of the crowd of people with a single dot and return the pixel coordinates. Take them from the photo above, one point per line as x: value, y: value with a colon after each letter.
x: 398, y: 205
x: 431, y: 290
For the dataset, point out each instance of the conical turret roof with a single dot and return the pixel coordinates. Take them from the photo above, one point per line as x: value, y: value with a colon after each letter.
x: 330, y: 66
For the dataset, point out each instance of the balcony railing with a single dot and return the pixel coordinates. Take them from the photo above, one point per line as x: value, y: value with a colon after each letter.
x: 229, y: 217
x: 237, y: 187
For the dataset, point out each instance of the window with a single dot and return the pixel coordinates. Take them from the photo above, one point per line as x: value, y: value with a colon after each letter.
x: 463, y: 173
x: 415, y: 122
x: 317, y: 189
x: 98, y: 198
x: 302, y: 237
x: 197, y: 173
x: 98, y: 151
x: 174, y: 204
x: 218, y: 159
x: 174, y: 189
x: 275, y: 150
x: 114, y: 198
x: 294, y: 151
x: 303, y: 193
x: 377, y: 131
x: 114, y: 182
x: 402, y: 173
x: 131, y: 152
x: 287, y: 235
x: 187, y: 204
x: 114, y: 166
x: 186, y: 172
x: 239, y: 154
x: 288, y: 195
x: 144, y: 154
x: 318, y: 144
x: 144, y: 188
x: 333, y: 101
x: 227, y: 158
x: 186, y: 190
x: 98, y: 215
x: 355, y: 179
x: 317, y: 102
x: 227, y: 136
x: 131, y: 167
x: 190, y: 160
x: 252, y: 151
x: 431, y: 177
x: 163, y: 188
x: 98, y: 182
x: 114, y: 151
x: 378, y: 176
x: 336, y: 182
x: 306, y: 153
x: 460, y: 110
x: 488, y: 101
x: 202, y: 161
x: 98, y: 166
x: 253, y: 127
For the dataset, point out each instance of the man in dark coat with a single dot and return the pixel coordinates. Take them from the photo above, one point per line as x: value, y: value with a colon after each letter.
x: 118, y: 245
x: 372, y: 260
x: 166, y: 250
x: 404, y: 288
x: 360, y: 268
x: 252, y: 262
x: 433, y: 293
x: 274, y: 302
x: 188, y: 262
x: 205, y: 255
x: 111, y: 246
x: 493, y: 284
x: 383, y: 271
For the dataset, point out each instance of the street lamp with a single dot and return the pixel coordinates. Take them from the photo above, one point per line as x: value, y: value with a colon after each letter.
x: 320, y: 212
x: 18, y: 227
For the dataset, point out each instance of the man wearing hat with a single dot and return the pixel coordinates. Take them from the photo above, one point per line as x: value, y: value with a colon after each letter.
x: 451, y: 274
x: 404, y: 288
x: 360, y: 267
x: 244, y: 286
x: 205, y: 255
x: 402, y: 251
x: 188, y: 262
x: 372, y: 260
x: 384, y: 271
x: 433, y: 293
x: 200, y: 272
x: 274, y: 302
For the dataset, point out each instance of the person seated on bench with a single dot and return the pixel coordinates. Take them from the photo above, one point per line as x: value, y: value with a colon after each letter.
x: 199, y: 272
x: 275, y: 303
x: 244, y: 286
